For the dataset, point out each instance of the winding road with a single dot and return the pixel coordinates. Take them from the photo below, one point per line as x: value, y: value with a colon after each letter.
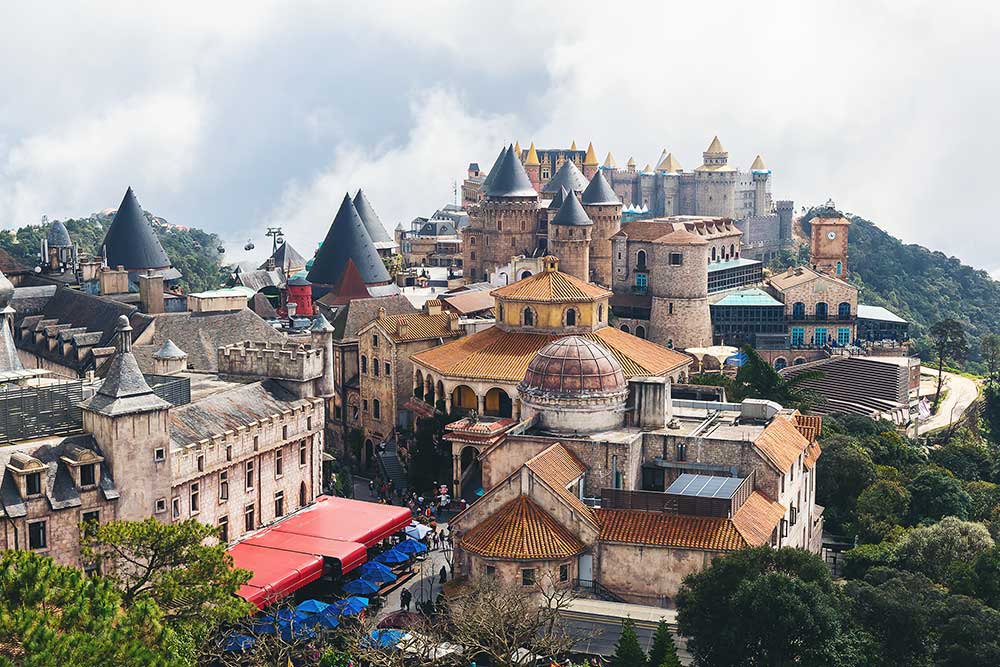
x: 962, y: 392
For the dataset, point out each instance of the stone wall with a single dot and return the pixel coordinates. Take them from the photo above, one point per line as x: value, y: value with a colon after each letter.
x: 62, y: 527
x: 607, y: 222
x: 628, y: 570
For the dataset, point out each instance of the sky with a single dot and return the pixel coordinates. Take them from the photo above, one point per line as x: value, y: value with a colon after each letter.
x: 234, y: 117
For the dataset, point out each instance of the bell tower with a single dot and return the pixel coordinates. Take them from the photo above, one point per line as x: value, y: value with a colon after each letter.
x: 828, y: 243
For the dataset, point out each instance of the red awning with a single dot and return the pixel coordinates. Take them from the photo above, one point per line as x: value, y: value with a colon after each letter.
x: 350, y: 554
x: 348, y: 520
x: 276, y: 573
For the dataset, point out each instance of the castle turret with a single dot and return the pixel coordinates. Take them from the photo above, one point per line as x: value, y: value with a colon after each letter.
x: 59, y: 252
x: 631, y: 165
x: 570, y: 236
x: 716, y: 183
x: 609, y: 162
x: 604, y: 208
x: 786, y: 211
x: 568, y: 176
x: 131, y: 242
x: 373, y: 225
x: 347, y: 242
x: 590, y: 163
x: 828, y: 243
x: 9, y: 359
x: 761, y: 187
x: 322, y: 338
x: 169, y: 359
x: 534, y: 168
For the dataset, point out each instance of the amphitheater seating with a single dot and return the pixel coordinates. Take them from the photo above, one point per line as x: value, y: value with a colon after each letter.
x: 868, y: 386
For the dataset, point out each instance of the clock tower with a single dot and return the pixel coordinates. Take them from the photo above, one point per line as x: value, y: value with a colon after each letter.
x: 828, y: 246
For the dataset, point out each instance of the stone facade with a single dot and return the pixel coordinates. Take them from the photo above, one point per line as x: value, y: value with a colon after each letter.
x: 572, y: 246
x: 607, y: 222
x: 821, y: 310
x: 499, y: 228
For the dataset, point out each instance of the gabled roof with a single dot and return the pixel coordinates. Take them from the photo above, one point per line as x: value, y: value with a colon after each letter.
x: 373, y: 224
x: 599, y: 192
x: 131, y: 241
x: 549, y: 286
x: 286, y: 258
x: 557, y: 465
x: 800, y: 275
x: 417, y: 326
x: 781, y: 444
x: 521, y: 530
x: 571, y: 213
x: 568, y: 176
x: 511, y: 180
x: 347, y: 240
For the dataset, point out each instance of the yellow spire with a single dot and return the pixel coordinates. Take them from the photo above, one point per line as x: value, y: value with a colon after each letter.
x: 631, y: 162
x: 758, y: 164
x: 572, y: 146
x: 532, y: 159
x: 591, y: 158
x: 647, y: 169
x: 716, y: 146
x: 669, y: 164
x: 609, y: 161
x: 517, y: 150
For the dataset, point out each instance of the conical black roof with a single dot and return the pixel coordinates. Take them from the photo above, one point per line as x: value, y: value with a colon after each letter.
x: 569, y: 177
x: 347, y: 240
x: 59, y: 236
x: 511, y: 179
x: 491, y: 174
x: 373, y: 223
x: 285, y: 257
x: 131, y: 241
x: 571, y: 214
x: 599, y: 192
x: 558, y: 200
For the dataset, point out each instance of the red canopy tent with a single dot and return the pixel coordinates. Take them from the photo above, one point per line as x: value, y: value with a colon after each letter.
x: 348, y: 520
x: 275, y: 573
x: 350, y: 554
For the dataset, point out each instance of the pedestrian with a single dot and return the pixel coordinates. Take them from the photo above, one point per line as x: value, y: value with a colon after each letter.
x: 443, y: 575
x: 404, y: 599
x: 371, y: 488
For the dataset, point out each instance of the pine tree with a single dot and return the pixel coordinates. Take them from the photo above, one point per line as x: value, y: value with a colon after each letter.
x: 628, y: 653
x: 663, y: 653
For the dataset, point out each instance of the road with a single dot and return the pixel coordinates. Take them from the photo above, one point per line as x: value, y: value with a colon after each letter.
x: 961, y: 393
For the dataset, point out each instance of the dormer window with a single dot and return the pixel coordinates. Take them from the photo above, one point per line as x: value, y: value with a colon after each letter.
x: 33, y: 484
x: 88, y: 474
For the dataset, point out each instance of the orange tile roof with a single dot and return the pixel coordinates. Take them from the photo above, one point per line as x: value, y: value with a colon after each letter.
x: 558, y: 467
x: 757, y: 518
x: 471, y: 301
x: 503, y: 356
x: 521, y: 530
x: 781, y: 443
x: 417, y: 326
x: 800, y: 275
x: 551, y: 286
x: 669, y: 530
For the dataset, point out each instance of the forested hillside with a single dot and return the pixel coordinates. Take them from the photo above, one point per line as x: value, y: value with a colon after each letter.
x: 922, y: 285
x: 193, y: 252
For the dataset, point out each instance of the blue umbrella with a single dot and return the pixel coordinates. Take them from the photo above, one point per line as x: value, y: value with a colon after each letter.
x: 392, y: 557
x: 372, y: 566
x: 267, y: 625
x: 311, y: 607
x: 360, y: 587
x: 411, y: 547
x: 385, y: 638
x: 327, y: 619
x: 350, y: 606
x: 236, y: 642
x: 379, y: 577
x: 295, y: 630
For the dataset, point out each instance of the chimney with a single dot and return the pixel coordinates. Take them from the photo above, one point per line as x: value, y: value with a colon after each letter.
x: 402, y: 328
x: 651, y: 402
x: 453, y: 323
x: 433, y: 307
x: 291, y: 307
x: 151, y: 293
x: 113, y: 281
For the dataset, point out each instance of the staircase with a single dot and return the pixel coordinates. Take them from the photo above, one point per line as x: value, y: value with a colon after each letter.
x: 868, y: 386
x: 392, y: 469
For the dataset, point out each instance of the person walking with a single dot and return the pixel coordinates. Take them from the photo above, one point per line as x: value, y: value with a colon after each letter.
x: 404, y: 599
x: 443, y: 575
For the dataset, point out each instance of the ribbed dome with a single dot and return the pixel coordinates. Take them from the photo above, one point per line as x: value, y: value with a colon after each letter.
x: 573, y: 367
x: 59, y: 236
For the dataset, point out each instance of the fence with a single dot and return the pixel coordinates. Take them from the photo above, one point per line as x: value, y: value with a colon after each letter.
x: 34, y: 412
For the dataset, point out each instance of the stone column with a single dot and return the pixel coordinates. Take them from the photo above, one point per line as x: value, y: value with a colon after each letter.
x: 481, y: 404
x: 456, y: 473
x: 516, y: 409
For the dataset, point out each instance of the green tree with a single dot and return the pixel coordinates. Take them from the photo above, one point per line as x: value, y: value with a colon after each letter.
x: 936, y: 550
x: 966, y: 456
x: 761, y: 606
x: 950, y: 343
x: 756, y: 378
x: 847, y: 470
x: 935, y: 493
x: 172, y: 564
x: 985, y: 498
x: 986, y: 577
x: 989, y: 347
x: 628, y: 653
x: 861, y: 560
x: 881, y: 507
x: 57, y: 616
x: 663, y: 652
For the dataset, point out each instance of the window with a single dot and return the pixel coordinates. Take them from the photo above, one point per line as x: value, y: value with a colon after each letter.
x: 491, y: 571
x: 279, y: 504
x: 819, y: 336
x: 224, y: 485
x: 159, y: 455
x: 364, y: 365
x: 600, y: 313
x: 374, y: 340
x: 564, y: 572
x: 195, y: 493
x: 309, y: 423
x: 844, y: 311
x: 284, y: 433
x: 160, y: 506
x: 249, y: 475
x: 33, y: 483
x: 201, y: 463
x: 36, y: 535
x: 387, y: 368
x: 641, y: 281
x: 248, y: 518
x: 682, y: 449
x: 670, y: 308
x: 640, y: 260
x: 713, y: 254
x: 355, y: 413
x: 279, y: 463
x: 571, y: 317
x: 302, y: 453
x: 175, y: 506
x: 840, y: 268
x: 793, y: 517
x: 500, y: 312
x: 302, y: 494
x: 472, y: 255
x: 676, y: 259
x: 528, y: 317
x: 798, y: 311
x: 626, y: 329
x: 256, y: 442
x: 364, y: 405
x: 843, y: 336
x: 822, y: 310
x: 88, y: 474
x: 229, y: 452
x: 375, y: 368
x: 798, y: 336
x: 377, y: 409
x: 472, y: 241
x: 640, y: 331
x: 224, y: 529
x: 780, y: 363
x: 528, y: 577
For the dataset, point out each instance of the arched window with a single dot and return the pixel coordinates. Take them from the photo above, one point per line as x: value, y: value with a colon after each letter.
x: 571, y: 317
x: 626, y: 329
x: 844, y: 311
x: 528, y: 317
x: 640, y: 259
x: 364, y: 364
x: 670, y: 343
x: 780, y: 363
x: 500, y: 312
x: 375, y: 366
x: 377, y: 409
x: 525, y: 274
x: 302, y: 494
x: 840, y: 268
x: 822, y: 310
x: 600, y: 313
x: 798, y: 311
x: 499, y: 226
x: 640, y: 331
x: 713, y: 254
x: 799, y: 361
x: 732, y: 249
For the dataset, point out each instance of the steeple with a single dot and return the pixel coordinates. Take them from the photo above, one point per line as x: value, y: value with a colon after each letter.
x: 558, y: 200
x: 373, y: 224
x: 572, y: 146
x: 124, y: 390
x: 609, y: 162
x: 511, y: 179
x: 493, y: 170
x: 715, y: 158
x: 347, y: 240
x: 517, y: 149
x: 59, y: 236
x: 758, y: 164
x: 647, y: 169
x: 533, y: 166
x: 599, y: 193
x: 590, y: 163
x: 631, y: 164
x: 532, y: 159
x: 715, y: 146
x: 132, y: 243
x: 669, y: 164
x: 567, y: 176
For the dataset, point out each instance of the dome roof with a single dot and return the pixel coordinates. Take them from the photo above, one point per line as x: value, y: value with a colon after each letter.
x: 6, y: 292
x: 59, y: 236
x: 574, y: 367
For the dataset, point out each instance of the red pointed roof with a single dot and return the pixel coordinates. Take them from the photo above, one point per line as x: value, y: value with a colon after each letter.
x: 351, y: 286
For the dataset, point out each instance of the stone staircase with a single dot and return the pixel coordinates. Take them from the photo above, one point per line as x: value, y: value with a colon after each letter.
x: 390, y: 465
x: 861, y: 385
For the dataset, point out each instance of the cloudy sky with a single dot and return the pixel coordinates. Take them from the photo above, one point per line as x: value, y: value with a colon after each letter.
x: 233, y: 118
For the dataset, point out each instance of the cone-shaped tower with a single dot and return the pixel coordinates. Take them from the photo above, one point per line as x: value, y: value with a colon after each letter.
x: 534, y: 167
x: 569, y: 177
x: 569, y: 237
x: 132, y: 243
x: 347, y: 241
x: 373, y: 224
x: 604, y: 208
x: 590, y: 163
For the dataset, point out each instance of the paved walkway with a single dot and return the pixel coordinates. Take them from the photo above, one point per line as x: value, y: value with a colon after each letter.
x: 424, y: 586
x: 962, y: 391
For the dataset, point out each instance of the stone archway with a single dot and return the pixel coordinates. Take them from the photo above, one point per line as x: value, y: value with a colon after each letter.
x: 464, y: 399
x: 469, y: 475
x: 498, y: 403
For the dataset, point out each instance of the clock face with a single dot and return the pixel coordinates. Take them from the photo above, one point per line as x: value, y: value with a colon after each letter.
x: 831, y: 235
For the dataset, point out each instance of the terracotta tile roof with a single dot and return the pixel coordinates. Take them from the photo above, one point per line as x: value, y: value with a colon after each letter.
x: 521, y: 530
x: 551, y: 286
x: 757, y: 518
x: 781, y: 443
x: 669, y: 530
x: 416, y: 326
x: 557, y: 467
x: 472, y: 301
x: 810, y: 426
x: 504, y: 356
x: 799, y: 276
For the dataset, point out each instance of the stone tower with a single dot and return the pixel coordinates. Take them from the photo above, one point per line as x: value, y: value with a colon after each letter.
x: 169, y: 359
x: 828, y: 245
x: 715, y: 183
x: 786, y: 211
x: 590, y: 163
x: 131, y: 424
x: 761, y: 180
x: 604, y: 208
x: 533, y: 167
x: 678, y: 283
x: 570, y: 236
